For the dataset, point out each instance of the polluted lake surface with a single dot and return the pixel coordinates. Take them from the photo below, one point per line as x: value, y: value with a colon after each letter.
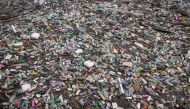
x: 94, y: 54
